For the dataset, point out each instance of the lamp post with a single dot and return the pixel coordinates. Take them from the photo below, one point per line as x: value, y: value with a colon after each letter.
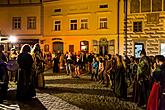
x: 12, y: 39
x: 125, y: 25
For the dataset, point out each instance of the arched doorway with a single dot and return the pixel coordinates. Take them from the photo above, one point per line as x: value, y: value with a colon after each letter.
x: 103, y: 46
x: 58, y: 46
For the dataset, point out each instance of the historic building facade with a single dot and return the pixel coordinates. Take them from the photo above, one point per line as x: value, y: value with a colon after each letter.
x: 64, y: 25
x: 22, y: 19
x: 146, y: 27
x: 83, y: 25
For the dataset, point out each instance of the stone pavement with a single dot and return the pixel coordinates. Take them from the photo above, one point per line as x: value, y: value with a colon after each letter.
x: 55, y: 103
x: 83, y: 93
x: 43, y: 101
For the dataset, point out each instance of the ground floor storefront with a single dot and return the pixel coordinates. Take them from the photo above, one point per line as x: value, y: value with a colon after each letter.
x: 101, y: 44
x: 153, y: 46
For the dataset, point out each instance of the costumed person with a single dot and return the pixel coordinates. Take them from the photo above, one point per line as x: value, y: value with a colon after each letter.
x: 38, y: 66
x: 25, y: 83
x: 13, y: 65
x: 156, y: 99
x: 56, y: 64
x: 120, y: 88
x: 143, y: 77
x: 4, y: 78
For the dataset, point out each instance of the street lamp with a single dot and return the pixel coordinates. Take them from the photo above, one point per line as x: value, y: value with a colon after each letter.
x: 12, y: 39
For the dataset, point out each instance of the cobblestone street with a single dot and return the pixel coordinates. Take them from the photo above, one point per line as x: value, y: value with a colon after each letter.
x: 65, y: 93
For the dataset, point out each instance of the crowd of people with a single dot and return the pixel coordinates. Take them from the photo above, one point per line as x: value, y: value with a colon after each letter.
x: 146, y: 75
x: 25, y: 67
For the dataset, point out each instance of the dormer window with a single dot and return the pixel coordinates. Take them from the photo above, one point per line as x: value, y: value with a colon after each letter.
x: 57, y: 10
x: 104, y: 6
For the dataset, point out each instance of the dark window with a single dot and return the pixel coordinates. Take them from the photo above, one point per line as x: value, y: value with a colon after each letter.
x: 145, y: 5
x: 135, y: 6
x: 137, y: 26
x: 16, y: 23
x: 156, y: 5
x: 31, y: 23
x: 73, y: 24
x: 71, y: 48
x: 57, y: 26
x: 104, y: 6
x: 57, y: 10
x: 103, y: 23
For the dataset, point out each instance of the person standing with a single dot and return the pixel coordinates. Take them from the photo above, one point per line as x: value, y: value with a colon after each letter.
x: 120, y: 88
x: 55, y: 65
x: 143, y: 75
x: 95, y: 68
x: 4, y: 78
x: 38, y: 65
x: 13, y: 59
x: 25, y: 84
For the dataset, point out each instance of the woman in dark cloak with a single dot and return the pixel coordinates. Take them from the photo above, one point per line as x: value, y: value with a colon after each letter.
x: 55, y: 66
x: 25, y: 84
x: 120, y: 87
x: 4, y: 78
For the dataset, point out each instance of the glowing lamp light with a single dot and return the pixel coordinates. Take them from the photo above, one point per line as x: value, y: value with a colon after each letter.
x: 12, y: 39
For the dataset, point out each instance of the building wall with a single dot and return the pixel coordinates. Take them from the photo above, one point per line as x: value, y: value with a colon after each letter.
x: 8, y: 12
x: 153, y: 31
x: 77, y: 10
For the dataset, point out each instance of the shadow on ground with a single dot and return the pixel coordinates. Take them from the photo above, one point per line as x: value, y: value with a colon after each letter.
x: 68, y: 81
x: 59, y: 90
x: 33, y: 104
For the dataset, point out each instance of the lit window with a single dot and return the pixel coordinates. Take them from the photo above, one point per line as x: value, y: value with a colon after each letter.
x: 103, y: 23
x: 31, y: 23
x: 137, y: 26
x: 57, y: 25
x: 73, y: 24
x: 16, y: 22
x: 84, y: 23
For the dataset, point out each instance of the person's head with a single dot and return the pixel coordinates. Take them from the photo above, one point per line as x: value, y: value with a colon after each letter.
x: 36, y: 48
x: 25, y: 48
x: 132, y: 58
x: 143, y: 53
x: 159, y: 59
x: 109, y: 56
x: 100, y: 59
x: 94, y: 59
x: 1, y: 48
x: 118, y: 58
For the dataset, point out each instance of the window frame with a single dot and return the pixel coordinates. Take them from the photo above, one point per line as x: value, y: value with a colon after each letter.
x: 137, y: 28
x: 16, y: 23
x: 31, y: 22
x: 73, y: 24
x: 103, y: 24
x: 84, y: 23
x: 57, y: 25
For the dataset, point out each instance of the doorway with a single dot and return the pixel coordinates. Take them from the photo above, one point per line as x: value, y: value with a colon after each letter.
x: 58, y: 46
x: 137, y: 49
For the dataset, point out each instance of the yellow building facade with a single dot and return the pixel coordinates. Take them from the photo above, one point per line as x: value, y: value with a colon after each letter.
x: 83, y: 25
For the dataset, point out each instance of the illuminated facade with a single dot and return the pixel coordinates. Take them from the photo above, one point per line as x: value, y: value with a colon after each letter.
x: 87, y: 25
x: 21, y: 19
x: 64, y: 25
x: 146, y: 26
